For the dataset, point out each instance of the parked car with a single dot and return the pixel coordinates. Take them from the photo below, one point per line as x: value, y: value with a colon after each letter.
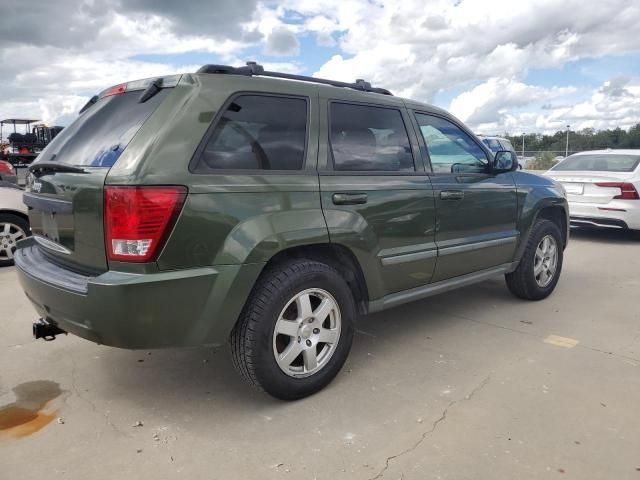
x: 14, y: 221
x: 231, y: 205
x: 7, y: 172
x: 602, y: 187
x: 497, y: 144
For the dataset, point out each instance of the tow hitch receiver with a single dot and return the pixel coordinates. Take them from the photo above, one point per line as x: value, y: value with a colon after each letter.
x: 46, y: 331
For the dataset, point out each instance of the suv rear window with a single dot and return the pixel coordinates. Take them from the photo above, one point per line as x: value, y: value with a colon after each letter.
x: 599, y: 163
x: 365, y: 138
x: 98, y: 136
x: 257, y: 132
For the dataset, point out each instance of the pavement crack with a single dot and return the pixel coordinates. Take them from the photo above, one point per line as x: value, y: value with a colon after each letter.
x: 89, y: 402
x: 16, y: 345
x: 433, y: 427
x: 607, y: 352
x: 74, y: 386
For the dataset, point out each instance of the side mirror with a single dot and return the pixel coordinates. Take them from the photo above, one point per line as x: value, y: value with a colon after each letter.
x: 505, y: 161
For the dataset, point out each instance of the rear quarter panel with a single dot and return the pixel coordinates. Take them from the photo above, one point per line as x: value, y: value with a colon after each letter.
x: 229, y: 218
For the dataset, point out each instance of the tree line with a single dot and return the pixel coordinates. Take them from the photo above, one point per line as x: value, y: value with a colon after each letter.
x: 585, y: 139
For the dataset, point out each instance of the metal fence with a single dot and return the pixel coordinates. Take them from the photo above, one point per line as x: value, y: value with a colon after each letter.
x: 528, y: 159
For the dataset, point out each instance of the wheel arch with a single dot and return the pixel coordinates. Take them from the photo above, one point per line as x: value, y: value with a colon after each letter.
x: 558, y: 215
x: 336, y: 256
x: 550, y: 208
x: 17, y: 213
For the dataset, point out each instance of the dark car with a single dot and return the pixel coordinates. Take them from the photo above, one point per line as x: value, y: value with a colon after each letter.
x: 268, y: 210
x: 497, y: 144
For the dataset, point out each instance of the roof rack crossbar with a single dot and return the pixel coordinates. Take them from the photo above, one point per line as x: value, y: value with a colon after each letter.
x: 252, y: 68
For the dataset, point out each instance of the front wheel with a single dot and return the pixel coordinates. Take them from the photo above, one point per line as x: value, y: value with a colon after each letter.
x: 295, y: 331
x: 539, y: 270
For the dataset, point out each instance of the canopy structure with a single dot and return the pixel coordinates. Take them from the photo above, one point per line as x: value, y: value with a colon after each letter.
x: 14, y: 122
x: 18, y: 121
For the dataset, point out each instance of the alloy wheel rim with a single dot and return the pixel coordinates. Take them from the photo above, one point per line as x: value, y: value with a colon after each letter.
x: 307, y: 332
x: 546, y: 261
x: 10, y: 234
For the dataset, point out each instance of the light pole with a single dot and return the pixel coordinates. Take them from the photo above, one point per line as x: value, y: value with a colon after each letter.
x: 566, y: 150
x: 523, y: 145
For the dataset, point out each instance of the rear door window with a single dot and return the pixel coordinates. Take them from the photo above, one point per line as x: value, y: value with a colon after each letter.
x: 257, y: 132
x: 98, y: 136
x: 366, y: 138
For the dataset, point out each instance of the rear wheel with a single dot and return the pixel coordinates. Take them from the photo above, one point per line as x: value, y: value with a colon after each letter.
x: 295, y: 331
x: 539, y: 270
x: 12, y: 229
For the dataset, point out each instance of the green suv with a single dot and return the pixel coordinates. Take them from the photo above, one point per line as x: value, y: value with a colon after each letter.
x: 268, y: 210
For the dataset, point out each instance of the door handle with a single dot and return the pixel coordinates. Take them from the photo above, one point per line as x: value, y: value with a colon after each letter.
x: 349, y: 198
x: 451, y: 195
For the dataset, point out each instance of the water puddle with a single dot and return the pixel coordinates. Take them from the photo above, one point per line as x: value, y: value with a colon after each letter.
x: 31, y: 411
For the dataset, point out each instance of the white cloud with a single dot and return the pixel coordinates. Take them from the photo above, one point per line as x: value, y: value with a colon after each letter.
x: 614, y: 104
x: 282, y: 42
x: 488, y: 106
x: 412, y: 52
x: 498, y: 106
x: 415, y: 49
x: 417, y: 54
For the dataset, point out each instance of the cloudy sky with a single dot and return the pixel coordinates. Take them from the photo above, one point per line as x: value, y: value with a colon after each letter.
x: 501, y: 66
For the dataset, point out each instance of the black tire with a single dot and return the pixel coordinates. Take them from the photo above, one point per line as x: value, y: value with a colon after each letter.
x: 252, y: 341
x: 9, y: 218
x: 522, y: 281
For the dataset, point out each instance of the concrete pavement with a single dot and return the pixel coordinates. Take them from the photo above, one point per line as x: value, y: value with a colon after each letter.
x: 472, y: 384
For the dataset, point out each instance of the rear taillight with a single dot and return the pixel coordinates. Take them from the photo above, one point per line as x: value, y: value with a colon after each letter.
x: 138, y: 220
x: 627, y: 190
x: 5, y: 167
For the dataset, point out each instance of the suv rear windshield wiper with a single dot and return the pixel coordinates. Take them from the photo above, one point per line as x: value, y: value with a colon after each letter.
x: 55, y: 167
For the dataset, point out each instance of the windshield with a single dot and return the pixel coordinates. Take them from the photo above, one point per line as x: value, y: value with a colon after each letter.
x: 606, y: 162
x: 98, y: 136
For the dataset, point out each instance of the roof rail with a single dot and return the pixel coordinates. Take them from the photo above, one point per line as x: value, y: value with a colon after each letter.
x: 254, y: 69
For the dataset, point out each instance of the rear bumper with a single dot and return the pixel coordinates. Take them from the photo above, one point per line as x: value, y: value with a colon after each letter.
x: 165, y: 309
x: 621, y: 214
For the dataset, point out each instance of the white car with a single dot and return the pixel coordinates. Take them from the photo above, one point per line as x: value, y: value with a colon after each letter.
x: 602, y: 187
x: 14, y: 222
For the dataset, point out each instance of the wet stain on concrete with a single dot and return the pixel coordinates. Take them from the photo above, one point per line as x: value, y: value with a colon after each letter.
x: 31, y: 411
